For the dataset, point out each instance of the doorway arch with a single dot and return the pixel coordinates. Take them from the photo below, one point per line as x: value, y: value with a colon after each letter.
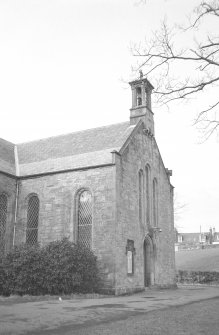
x: 148, y: 250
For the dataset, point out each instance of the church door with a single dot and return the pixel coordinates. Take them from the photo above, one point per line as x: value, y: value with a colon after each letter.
x: 148, y: 262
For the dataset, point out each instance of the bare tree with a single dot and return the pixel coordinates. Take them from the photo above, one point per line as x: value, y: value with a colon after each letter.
x: 179, y: 208
x: 162, y: 57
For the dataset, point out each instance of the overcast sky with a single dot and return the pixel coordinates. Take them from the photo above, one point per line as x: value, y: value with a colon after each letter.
x: 64, y: 65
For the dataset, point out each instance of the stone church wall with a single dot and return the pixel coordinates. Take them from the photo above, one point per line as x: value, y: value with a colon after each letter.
x: 142, y: 150
x: 57, y: 216
x: 8, y: 187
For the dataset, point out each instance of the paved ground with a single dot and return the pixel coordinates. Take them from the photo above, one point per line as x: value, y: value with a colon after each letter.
x: 79, y: 315
x: 192, y: 319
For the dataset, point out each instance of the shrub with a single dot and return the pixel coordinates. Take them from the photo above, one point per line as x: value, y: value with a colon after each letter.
x: 22, y: 270
x: 198, y: 277
x: 61, y: 267
x: 3, y: 290
x: 69, y: 268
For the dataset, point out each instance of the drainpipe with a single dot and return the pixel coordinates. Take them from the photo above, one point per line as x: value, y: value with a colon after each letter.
x: 15, y: 211
x: 17, y: 191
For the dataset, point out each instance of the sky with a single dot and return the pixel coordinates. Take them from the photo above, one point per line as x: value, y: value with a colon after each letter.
x: 65, y: 66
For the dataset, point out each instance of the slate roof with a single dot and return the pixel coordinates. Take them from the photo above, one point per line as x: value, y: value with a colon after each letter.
x: 7, y: 158
x: 72, y: 144
x: 75, y: 150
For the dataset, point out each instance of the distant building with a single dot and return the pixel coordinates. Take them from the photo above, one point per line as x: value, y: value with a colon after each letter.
x: 196, y: 239
x: 105, y: 188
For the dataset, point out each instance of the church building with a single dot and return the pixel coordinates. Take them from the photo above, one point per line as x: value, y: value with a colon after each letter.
x: 106, y: 188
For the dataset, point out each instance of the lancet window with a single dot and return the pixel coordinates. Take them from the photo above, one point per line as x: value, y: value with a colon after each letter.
x: 155, y: 203
x: 85, y: 219
x: 32, y: 220
x: 3, y: 221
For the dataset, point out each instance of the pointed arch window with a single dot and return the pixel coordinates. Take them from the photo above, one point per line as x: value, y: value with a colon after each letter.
x: 85, y: 218
x: 147, y: 186
x: 32, y: 220
x: 155, y: 203
x: 141, y: 195
x: 3, y: 220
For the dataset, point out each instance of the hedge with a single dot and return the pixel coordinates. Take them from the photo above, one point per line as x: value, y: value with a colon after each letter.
x: 61, y: 267
x: 198, y: 277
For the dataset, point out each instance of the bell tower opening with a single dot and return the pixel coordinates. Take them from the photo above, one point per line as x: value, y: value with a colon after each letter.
x: 141, y: 102
x: 138, y: 96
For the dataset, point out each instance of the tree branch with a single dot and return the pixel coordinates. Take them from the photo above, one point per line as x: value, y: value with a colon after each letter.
x: 162, y: 59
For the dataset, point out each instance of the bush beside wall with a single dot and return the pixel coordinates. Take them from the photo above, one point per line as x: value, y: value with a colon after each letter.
x: 198, y: 277
x: 61, y: 267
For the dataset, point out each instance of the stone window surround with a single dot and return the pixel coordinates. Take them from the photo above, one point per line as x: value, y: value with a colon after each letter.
x: 75, y: 218
x: 27, y: 200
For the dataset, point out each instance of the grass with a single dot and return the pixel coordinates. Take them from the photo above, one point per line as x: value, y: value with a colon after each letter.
x: 198, y: 260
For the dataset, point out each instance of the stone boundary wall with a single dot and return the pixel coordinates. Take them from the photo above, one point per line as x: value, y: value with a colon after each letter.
x: 197, y: 277
x: 186, y: 247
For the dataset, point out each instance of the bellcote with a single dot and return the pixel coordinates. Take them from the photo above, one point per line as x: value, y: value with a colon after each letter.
x: 141, y: 103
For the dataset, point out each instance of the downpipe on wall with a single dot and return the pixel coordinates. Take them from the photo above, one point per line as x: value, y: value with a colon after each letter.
x: 15, y: 211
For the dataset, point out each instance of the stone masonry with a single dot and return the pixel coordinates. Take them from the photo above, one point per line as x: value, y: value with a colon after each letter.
x: 132, y: 198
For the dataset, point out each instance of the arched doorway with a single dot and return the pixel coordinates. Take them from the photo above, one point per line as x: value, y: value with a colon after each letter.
x: 148, y: 262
